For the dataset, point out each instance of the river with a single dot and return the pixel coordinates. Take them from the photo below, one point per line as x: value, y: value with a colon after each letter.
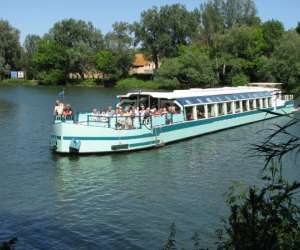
x: 119, y: 201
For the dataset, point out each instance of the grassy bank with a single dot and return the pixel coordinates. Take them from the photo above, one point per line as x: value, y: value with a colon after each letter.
x: 19, y: 82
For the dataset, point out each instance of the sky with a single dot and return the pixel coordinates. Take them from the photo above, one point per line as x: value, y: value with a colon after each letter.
x: 38, y: 16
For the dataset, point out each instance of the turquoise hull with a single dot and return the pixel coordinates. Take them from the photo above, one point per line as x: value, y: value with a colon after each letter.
x: 83, y: 138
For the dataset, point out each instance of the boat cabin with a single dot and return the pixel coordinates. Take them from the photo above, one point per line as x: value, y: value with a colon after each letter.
x: 196, y: 104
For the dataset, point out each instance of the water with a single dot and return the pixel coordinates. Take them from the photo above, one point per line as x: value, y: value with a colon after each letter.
x: 120, y: 201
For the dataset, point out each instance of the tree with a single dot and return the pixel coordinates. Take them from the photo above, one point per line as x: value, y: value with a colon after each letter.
x: 239, y: 12
x: 51, y: 59
x: 237, y: 51
x: 119, y: 42
x: 106, y: 63
x: 161, y: 30
x: 10, y: 48
x: 218, y: 15
x: 285, y: 64
x: 80, y: 40
x: 298, y: 28
x: 192, y: 68
x: 272, y: 31
x: 212, y: 19
x: 30, y: 47
x: 69, y: 47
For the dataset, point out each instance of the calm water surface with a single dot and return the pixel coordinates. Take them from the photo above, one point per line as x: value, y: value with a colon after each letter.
x: 120, y: 201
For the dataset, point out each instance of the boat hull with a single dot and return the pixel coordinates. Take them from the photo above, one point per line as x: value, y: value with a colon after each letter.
x: 87, y: 139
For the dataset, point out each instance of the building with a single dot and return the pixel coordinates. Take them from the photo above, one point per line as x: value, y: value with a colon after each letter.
x: 141, y: 65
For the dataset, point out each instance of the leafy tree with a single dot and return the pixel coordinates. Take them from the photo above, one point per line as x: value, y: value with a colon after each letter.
x: 240, y: 80
x: 218, y: 15
x: 50, y: 59
x: 120, y: 38
x: 192, y: 68
x: 239, y: 12
x: 69, y: 47
x: 10, y: 49
x: 106, y: 63
x: 285, y: 60
x: 80, y: 40
x: 161, y: 30
x: 212, y: 19
x: 120, y: 42
x: 298, y: 28
x: 272, y: 31
x: 30, y: 47
x: 237, y: 51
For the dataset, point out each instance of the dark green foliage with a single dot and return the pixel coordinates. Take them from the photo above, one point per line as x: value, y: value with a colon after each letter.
x: 10, y: 49
x: 30, y: 47
x: 272, y: 32
x: 120, y: 42
x: 51, y: 60
x: 298, y: 28
x: 192, y: 68
x: 69, y: 47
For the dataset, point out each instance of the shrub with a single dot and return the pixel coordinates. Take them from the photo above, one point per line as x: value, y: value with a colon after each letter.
x: 133, y: 83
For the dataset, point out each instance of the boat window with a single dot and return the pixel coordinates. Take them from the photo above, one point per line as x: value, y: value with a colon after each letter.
x: 251, y: 104
x: 200, y: 111
x: 211, y: 110
x: 270, y: 102
x: 257, y: 103
x: 221, y: 109
x: 264, y: 102
x: 244, y: 103
x: 189, y: 113
x: 229, y: 107
x: 237, y: 107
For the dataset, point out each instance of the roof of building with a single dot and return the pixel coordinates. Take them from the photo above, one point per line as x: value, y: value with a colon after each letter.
x: 139, y: 60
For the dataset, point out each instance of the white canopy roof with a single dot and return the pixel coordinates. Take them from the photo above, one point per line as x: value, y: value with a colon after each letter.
x: 195, y: 92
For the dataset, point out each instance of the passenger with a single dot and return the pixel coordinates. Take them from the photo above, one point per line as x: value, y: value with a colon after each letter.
x: 164, y: 111
x: 110, y: 111
x: 95, y: 115
x: 68, y: 112
x: 173, y: 110
x: 120, y: 124
x: 58, y: 108
x: 136, y: 111
x: 169, y: 116
x: 142, y: 111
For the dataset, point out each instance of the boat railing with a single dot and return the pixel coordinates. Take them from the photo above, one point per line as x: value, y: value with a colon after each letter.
x: 122, y: 122
x: 286, y: 97
x: 63, y: 118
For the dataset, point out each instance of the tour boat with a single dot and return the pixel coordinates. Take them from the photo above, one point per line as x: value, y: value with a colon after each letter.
x: 195, y: 112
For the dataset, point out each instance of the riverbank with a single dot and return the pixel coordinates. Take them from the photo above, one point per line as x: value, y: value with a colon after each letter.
x: 128, y: 83
x: 19, y: 82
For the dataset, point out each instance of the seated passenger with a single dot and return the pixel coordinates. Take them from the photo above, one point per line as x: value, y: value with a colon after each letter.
x: 67, y: 112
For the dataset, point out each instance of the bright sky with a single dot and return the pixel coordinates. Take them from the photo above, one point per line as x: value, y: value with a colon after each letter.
x: 38, y: 16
